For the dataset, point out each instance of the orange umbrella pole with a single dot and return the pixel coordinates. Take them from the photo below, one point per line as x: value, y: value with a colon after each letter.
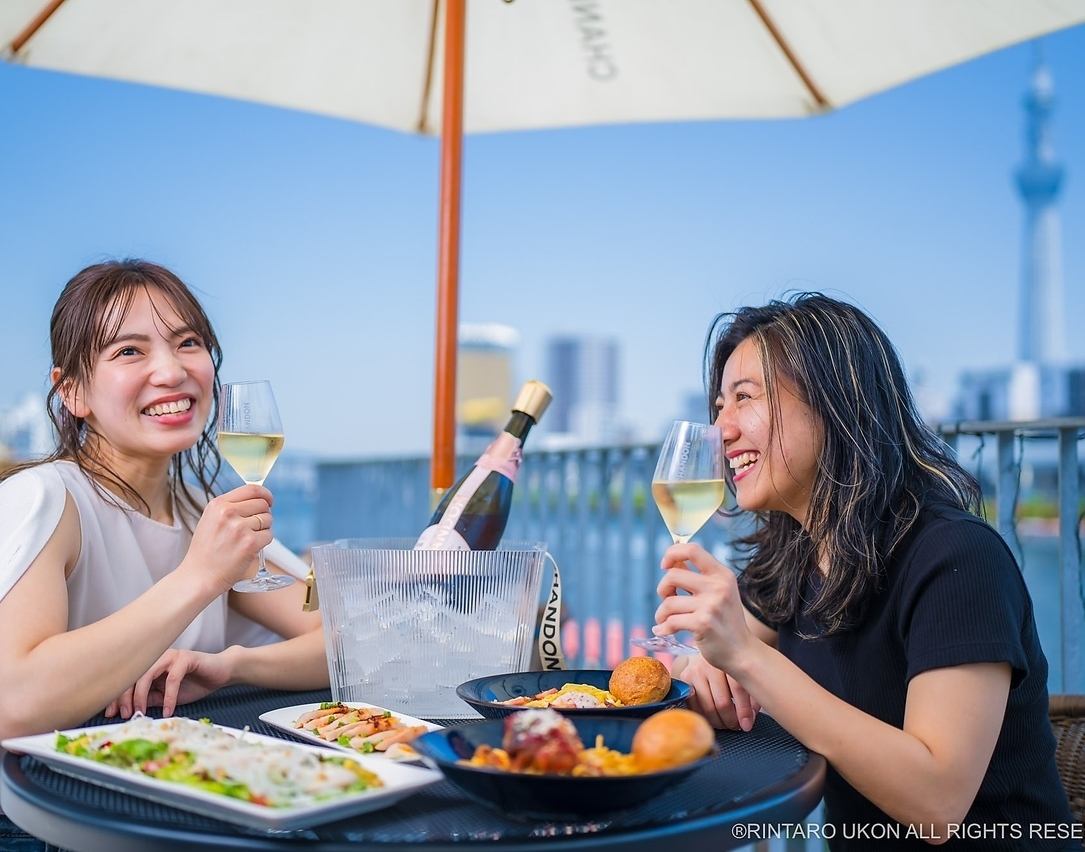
x: 448, y: 253
x: 35, y: 25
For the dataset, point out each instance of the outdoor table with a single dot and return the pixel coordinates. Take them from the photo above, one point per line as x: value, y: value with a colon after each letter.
x: 761, y: 777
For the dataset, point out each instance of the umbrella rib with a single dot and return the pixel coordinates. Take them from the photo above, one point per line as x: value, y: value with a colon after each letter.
x: 35, y: 25
x: 420, y: 126
x: 807, y: 80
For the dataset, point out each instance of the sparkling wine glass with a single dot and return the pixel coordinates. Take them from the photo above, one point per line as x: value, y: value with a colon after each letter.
x: 250, y: 437
x: 688, y: 487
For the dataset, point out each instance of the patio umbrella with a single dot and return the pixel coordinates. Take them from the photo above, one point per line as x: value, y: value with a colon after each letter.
x: 529, y: 64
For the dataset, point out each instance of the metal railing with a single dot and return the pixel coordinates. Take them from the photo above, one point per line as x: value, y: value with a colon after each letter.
x: 1055, y: 444
x: 593, y: 508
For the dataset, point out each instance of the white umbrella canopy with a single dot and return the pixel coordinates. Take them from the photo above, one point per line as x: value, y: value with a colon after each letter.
x: 529, y: 63
x: 407, y: 65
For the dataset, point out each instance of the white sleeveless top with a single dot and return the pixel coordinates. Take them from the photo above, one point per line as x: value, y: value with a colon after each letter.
x: 122, y: 554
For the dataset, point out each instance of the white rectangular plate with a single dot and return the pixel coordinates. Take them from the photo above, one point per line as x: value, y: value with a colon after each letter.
x: 400, y: 780
x: 284, y: 717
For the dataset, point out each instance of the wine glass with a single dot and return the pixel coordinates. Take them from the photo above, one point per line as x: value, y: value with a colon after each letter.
x: 250, y: 437
x: 688, y: 487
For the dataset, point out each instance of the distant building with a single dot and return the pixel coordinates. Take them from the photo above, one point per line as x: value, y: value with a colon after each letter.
x: 694, y: 407
x: 25, y: 430
x: 1040, y: 383
x: 485, y: 377
x: 1023, y: 391
x: 584, y: 374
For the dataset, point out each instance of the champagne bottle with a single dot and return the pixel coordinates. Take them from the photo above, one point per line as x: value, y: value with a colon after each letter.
x: 473, y: 514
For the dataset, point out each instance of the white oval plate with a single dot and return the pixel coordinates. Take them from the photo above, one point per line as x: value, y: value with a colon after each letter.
x: 399, y: 781
x: 284, y: 717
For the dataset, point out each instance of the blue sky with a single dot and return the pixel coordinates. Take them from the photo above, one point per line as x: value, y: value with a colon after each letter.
x: 313, y: 241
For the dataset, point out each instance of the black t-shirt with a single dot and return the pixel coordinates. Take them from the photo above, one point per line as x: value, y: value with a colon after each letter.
x: 952, y: 595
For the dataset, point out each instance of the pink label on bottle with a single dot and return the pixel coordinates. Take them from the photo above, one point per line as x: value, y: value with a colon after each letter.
x: 503, y: 456
x: 443, y: 535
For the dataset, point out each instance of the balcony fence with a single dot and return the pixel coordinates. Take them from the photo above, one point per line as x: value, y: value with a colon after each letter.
x: 1031, y: 477
x: 593, y: 508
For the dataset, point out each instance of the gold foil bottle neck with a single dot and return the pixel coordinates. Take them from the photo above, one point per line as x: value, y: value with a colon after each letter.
x: 533, y: 399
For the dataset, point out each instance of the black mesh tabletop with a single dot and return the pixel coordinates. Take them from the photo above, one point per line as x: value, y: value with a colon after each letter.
x: 759, y: 777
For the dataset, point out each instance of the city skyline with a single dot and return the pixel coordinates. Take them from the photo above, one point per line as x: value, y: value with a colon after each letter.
x: 311, y: 241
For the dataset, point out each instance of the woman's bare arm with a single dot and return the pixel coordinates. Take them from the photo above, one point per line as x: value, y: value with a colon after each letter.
x: 56, y: 678
x: 927, y: 773
x: 759, y: 629
x: 298, y: 663
x: 280, y: 612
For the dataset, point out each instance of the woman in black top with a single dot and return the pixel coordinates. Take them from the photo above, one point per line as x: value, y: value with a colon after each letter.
x: 878, y: 620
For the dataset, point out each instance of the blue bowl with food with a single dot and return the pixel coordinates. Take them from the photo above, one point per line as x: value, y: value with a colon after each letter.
x: 540, y: 764
x: 637, y: 688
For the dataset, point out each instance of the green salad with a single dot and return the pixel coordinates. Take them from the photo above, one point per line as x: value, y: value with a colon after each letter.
x: 199, y: 755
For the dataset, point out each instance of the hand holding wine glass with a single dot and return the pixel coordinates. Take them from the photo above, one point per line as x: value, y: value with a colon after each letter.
x: 250, y: 437
x: 688, y: 487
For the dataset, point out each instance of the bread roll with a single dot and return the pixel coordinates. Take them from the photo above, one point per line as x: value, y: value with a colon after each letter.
x: 640, y: 680
x: 671, y: 738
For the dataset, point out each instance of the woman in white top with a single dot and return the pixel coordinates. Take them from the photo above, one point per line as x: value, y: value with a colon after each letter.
x: 115, y: 574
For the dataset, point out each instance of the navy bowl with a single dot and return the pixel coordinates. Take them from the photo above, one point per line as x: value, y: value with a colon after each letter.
x: 517, y: 794
x: 486, y: 693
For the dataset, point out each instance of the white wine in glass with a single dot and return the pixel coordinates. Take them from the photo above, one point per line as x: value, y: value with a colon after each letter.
x: 252, y: 456
x: 250, y: 437
x: 688, y: 487
x: 686, y: 506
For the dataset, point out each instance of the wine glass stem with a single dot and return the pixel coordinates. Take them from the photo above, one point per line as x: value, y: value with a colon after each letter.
x: 261, y: 571
x: 678, y: 539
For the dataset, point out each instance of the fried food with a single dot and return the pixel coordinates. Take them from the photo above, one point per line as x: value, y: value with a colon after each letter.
x: 671, y: 738
x: 640, y: 680
x: 542, y: 741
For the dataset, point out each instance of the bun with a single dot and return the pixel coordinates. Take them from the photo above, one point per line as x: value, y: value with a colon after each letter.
x: 640, y: 680
x: 672, y: 738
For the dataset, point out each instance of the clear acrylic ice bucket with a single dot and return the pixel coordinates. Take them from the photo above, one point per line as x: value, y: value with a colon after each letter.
x: 403, y: 628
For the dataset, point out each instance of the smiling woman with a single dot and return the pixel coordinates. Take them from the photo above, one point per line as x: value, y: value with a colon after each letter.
x: 113, y: 330
x: 878, y: 619
x: 116, y: 556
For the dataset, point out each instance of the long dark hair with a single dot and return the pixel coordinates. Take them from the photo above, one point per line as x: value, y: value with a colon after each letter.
x: 878, y: 465
x: 91, y: 308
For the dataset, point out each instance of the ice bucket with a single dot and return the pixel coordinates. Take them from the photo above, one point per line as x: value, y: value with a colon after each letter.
x: 403, y: 628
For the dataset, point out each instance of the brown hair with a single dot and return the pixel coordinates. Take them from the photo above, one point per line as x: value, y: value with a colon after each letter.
x: 879, y: 463
x: 91, y: 308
